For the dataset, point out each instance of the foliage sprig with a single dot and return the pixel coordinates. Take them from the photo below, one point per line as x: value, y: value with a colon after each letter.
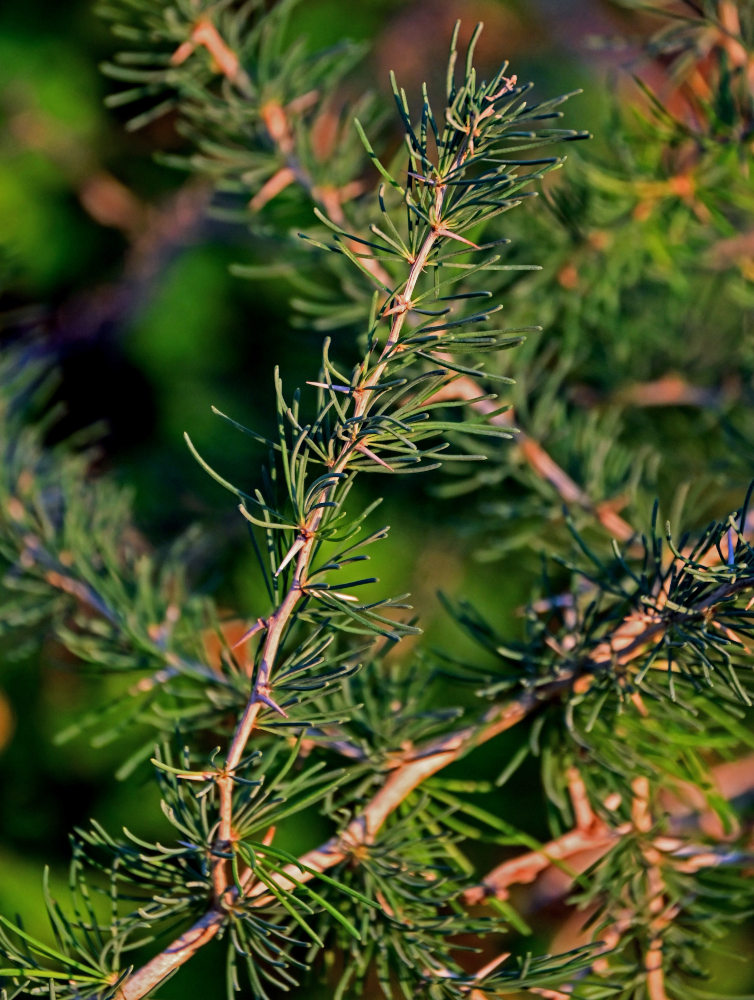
x: 630, y: 678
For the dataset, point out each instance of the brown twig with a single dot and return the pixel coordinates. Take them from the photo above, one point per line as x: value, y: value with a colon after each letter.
x: 590, y: 834
x: 591, y: 838
x: 204, y: 33
x: 279, y: 181
x: 535, y: 455
x: 660, y: 915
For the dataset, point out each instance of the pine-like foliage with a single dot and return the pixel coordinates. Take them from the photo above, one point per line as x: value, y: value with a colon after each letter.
x: 630, y: 678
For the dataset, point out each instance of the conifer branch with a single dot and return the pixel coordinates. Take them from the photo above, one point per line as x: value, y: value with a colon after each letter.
x: 464, y: 387
x: 630, y: 677
x: 421, y: 764
x: 418, y: 765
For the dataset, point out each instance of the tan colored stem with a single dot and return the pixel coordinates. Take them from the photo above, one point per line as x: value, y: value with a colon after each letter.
x: 225, y: 59
x: 279, y: 181
x: 525, y: 868
x: 537, y: 458
x: 173, y: 957
x: 594, y: 839
x: 653, y: 960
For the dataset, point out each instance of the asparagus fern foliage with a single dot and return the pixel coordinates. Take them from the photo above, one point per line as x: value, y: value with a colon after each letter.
x: 626, y: 675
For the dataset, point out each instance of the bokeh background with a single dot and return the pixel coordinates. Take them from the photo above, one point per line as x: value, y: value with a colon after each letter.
x: 111, y: 260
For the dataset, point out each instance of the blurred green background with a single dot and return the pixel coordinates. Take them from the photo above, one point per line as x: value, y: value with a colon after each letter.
x: 111, y: 261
